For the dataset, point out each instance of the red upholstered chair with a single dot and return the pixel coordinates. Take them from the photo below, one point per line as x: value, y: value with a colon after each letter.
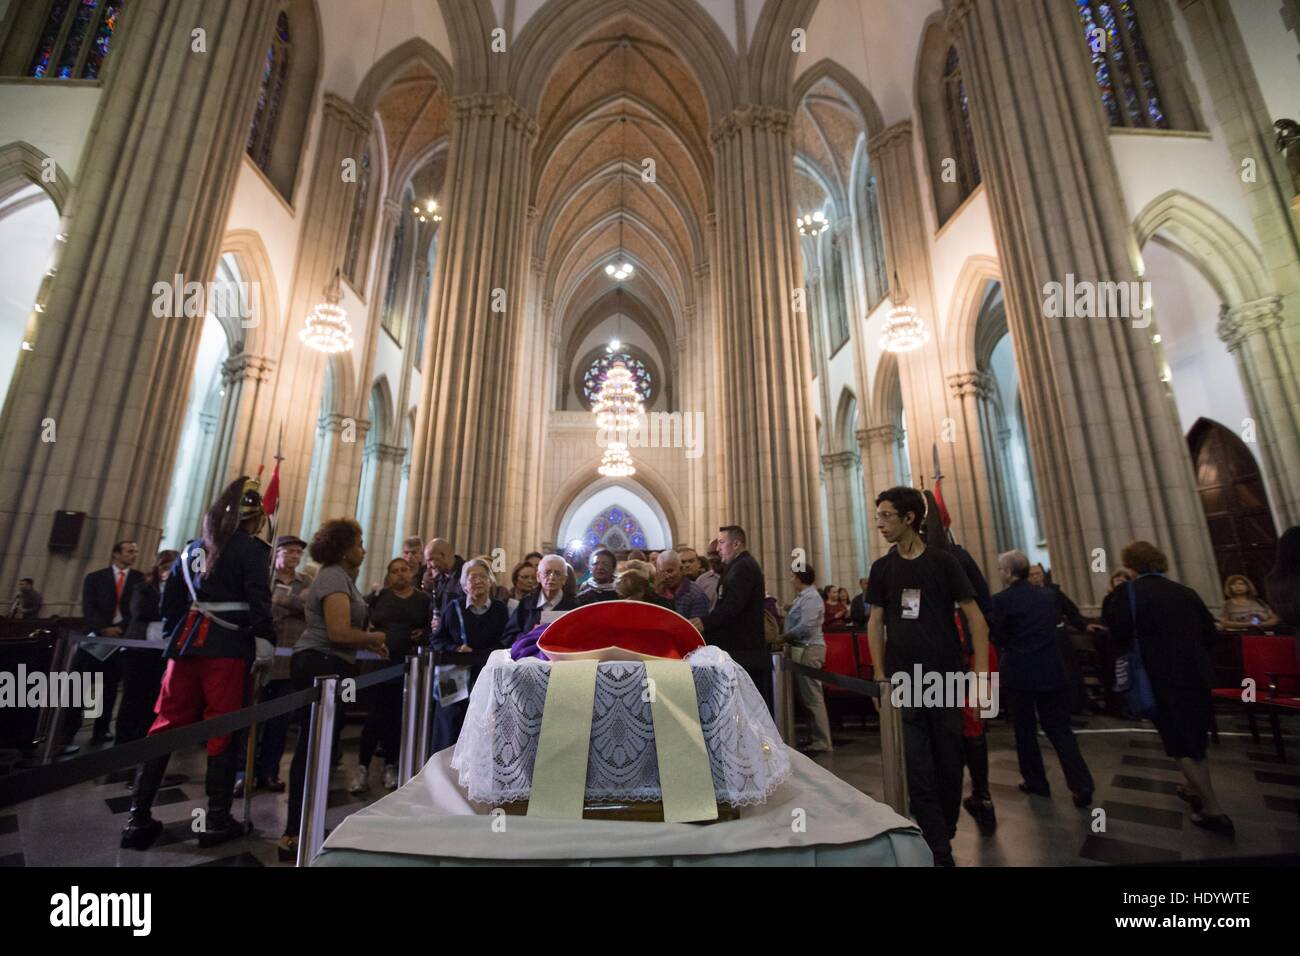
x: 1271, y: 663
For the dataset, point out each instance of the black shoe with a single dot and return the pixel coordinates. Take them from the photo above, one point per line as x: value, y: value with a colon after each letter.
x: 1191, y: 798
x: 221, y: 828
x: 985, y: 816
x: 140, y: 836
x: 1026, y: 788
x: 1082, y: 800
x: 1220, y: 824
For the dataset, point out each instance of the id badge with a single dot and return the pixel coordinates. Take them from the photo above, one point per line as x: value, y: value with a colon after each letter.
x: 911, y: 604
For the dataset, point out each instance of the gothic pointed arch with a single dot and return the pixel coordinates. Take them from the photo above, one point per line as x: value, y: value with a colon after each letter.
x: 22, y: 164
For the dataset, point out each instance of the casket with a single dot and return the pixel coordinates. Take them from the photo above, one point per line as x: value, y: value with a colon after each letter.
x: 634, y: 719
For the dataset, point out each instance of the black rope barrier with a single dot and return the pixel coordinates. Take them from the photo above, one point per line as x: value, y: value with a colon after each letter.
x: 854, y: 685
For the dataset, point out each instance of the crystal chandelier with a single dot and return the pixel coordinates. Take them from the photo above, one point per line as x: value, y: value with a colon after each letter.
x: 620, y: 270
x: 429, y: 211
x: 326, y: 328
x: 904, y: 330
x: 616, y: 462
x: 813, y: 224
x: 618, y: 406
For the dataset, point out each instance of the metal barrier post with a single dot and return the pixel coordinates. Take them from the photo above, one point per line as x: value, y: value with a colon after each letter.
x: 315, y: 796
x: 893, y: 759
x: 783, y: 695
x: 424, y: 710
x: 47, y: 725
x: 410, y: 712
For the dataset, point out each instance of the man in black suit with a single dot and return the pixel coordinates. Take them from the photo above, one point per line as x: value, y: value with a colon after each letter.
x: 552, y: 572
x: 1033, y: 678
x: 736, y: 622
x: 859, y: 609
x: 106, y: 611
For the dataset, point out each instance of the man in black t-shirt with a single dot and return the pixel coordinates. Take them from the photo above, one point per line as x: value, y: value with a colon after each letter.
x: 912, y: 591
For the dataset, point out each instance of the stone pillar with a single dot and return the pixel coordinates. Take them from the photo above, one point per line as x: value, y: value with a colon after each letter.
x: 376, y: 511
x: 771, y: 463
x: 973, y: 394
x: 1109, y: 457
x: 245, y: 379
x: 878, y: 446
x: 1256, y: 335
x: 460, y: 488
x: 300, y: 376
x: 847, y: 562
x: 934, y: 418
x: 150, y: 203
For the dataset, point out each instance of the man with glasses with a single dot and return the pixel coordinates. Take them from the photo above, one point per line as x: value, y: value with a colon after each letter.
x: 912, y: 591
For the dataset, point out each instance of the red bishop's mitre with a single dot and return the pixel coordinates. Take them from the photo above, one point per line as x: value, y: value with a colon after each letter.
x: 620, y: 631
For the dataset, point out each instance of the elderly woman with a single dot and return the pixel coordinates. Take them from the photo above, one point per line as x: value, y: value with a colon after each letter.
x: 1243, y: 608
x: 637, y: 583
x: 1175, y: 632
x: 473, y: 624
x: 523, y: 581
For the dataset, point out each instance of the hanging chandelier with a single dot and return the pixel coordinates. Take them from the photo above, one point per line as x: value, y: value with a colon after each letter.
x: 620, y: 270
x: 616, y: 462
x: 904, y: 330
x: 813, y: 224
x: 618, y: 406
x: 326, y: 328
x: 429, y: 211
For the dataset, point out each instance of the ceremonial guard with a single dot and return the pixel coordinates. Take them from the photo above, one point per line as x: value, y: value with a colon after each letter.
x: 216, y: 615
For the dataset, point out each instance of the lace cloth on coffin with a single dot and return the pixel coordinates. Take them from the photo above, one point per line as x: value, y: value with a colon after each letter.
x: 498, y: 743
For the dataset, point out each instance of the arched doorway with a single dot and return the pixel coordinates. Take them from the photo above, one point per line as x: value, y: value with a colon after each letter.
x: 1235, y: 502
x: 618, y: 514
x: 29, y: 223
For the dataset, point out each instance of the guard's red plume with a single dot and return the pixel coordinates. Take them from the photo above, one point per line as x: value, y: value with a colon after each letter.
x: 272, y: 496
x: 938, y: 500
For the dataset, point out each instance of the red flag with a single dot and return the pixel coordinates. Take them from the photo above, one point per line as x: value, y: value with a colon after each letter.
x: 271, y: 498
x: 938, y: 500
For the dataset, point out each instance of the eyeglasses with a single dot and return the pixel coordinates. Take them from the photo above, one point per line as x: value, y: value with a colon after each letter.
x: 885, y: 515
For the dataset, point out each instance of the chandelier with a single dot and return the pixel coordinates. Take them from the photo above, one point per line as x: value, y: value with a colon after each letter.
x: 813, y: 223
x: 429, y: 211
x: 616, y: 462
x: 326, y: 328
x: 904, y: 330
x: 618, y: 406
x: 620, y: 270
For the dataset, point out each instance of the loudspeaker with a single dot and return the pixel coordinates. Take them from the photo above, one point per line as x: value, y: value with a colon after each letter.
x: 66, y: 531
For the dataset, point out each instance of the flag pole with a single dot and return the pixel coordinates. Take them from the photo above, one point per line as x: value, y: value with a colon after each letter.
x: 255, y: 685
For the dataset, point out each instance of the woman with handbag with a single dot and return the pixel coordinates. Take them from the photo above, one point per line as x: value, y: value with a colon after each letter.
x: 1171, y: 632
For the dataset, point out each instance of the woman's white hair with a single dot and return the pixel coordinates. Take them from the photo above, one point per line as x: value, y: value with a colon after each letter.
x: 469, y: 566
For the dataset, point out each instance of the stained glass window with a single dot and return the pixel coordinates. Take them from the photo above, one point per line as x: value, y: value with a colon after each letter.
x: 1121, y: 65
x: 957, y: 111
x: 425, y: 294
x: 352, y: 256
x: 390, y: 318
x: 595, y: 375
x: 62, y: 51
x: 270, y: 97
x: 616, y: 529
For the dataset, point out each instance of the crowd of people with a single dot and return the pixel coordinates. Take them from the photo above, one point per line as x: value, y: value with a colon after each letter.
x: 228, y: 599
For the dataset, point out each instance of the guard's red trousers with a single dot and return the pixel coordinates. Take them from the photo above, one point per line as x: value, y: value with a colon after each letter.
x: 199, y: 688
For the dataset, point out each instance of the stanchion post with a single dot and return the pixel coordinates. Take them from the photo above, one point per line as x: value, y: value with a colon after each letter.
x: 783, y: 695
x: 893, y: 759
x: 315, y: 795
x: 424, y: 710
x: 47, y: 729
x: 410, y: 711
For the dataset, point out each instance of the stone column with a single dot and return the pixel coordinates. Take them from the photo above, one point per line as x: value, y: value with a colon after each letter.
x: 377, y: 510
x: 934, y: 418
x: 771, y: 463
x: 1256, y: 335
x: 877, y: 446
x: 245, y: 379
x: 847, y: 563
x: 1109, y: 457
x: 111, y: 378
x: 1248, y: 129
x: 460, y: 487
x: 972, y: 393
x: 301, y: 377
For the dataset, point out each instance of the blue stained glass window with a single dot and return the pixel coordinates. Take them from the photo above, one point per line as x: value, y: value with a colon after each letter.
x: 638, y: 540
x: 615, y: 529
x: 275, y: 77
x: 595, y: 375
x: 40, y: 64
x: 99, y: 48
x: 76, y: 36
x: 1121, y: 63
x: 592, y: 539
x: 352, y: 254
x: 615, y: 516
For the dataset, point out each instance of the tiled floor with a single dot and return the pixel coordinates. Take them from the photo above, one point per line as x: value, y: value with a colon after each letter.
x: 1143, y: 821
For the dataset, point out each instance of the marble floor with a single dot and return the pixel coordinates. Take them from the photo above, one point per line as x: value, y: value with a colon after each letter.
x: 1144, y: 821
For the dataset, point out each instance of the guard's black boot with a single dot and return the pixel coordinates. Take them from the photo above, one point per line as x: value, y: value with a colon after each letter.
x: 141, y: 828
x: 220, y: 826
x: 980, y: 802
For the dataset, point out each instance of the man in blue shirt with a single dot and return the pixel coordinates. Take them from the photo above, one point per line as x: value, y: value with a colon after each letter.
x: 803, y: 630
